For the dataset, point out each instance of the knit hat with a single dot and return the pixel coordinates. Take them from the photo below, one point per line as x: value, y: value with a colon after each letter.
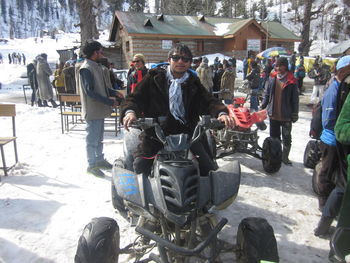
x: 140, y: 57
x: 282, y: 61
x: 343, y: 62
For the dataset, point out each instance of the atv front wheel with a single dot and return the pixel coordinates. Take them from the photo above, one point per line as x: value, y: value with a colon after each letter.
x: 99, y: 242
x: 256, y: 241
x: 271, y: 155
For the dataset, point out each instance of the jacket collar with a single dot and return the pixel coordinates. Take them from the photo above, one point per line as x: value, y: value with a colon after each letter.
x: 290, y: 78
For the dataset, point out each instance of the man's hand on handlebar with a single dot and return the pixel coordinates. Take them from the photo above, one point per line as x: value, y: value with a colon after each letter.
x: 229, y: 122
x: 128, y: 119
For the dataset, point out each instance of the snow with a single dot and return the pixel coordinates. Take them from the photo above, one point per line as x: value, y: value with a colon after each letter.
x: 221, y: 29
x: 48, y: 198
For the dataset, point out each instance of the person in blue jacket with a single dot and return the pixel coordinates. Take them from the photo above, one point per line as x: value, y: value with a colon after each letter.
x: 331, y: 195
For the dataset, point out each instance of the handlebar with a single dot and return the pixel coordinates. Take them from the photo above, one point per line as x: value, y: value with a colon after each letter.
x: 206, y: 122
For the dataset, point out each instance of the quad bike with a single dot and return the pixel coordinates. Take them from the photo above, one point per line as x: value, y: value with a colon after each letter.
x: 171, y: 206
x: 243, y: 138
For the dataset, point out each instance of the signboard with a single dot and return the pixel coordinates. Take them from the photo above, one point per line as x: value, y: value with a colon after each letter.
x: 167, y: 44
x: 254, y: 44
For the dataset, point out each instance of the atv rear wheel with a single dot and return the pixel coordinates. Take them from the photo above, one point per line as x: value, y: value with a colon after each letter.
x: 256, y: 241
x: 271, y: 155
x: 99, y: 242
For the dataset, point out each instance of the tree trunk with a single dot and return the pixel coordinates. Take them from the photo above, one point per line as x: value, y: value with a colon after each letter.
x: 88, y: 29
x: 305, y: 44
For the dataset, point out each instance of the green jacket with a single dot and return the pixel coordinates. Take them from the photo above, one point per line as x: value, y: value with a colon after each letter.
x: 342, y: 132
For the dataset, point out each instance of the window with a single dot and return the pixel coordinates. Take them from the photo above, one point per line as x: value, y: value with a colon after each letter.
x: 127, y: 46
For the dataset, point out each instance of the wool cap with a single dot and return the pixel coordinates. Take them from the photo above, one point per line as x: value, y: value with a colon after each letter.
x: 343, y: 62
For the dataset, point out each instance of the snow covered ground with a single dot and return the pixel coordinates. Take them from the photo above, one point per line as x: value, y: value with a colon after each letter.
x: 48, y: 198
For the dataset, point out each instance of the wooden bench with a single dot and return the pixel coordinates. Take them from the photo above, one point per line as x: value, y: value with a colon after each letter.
x: 8, y: 110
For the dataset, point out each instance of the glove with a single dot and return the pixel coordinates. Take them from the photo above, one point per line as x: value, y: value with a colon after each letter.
x: 295, y: 117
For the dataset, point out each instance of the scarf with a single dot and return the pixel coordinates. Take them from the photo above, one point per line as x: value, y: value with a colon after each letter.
x: 175, y: 96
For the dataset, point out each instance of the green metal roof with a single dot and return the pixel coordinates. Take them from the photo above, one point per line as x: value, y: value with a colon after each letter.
x: 134, y: 23
x: 277, y: 30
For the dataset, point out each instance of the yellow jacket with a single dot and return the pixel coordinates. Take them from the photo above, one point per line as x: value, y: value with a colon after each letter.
x: 59, y: 78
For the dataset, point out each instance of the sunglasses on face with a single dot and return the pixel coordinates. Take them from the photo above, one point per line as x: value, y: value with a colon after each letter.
x: 176, y: 58
x: 136, y: 61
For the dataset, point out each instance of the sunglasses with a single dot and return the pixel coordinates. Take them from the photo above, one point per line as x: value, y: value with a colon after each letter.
x: 176, y: 58
x: 136, y: 61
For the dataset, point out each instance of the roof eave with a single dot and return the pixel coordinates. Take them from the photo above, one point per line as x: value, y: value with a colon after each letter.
x: 285, y: 39
x: 155, y: 35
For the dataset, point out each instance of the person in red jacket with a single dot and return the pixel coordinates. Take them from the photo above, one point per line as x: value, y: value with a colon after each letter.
x: 281, y: 99
x: 137, y: 74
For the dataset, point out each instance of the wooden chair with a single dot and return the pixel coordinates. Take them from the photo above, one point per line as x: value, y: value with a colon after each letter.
x: 8, y: 110
x: 69, y: 108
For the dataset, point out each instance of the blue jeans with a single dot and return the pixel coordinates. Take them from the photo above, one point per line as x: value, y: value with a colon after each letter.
x: 94, y: 138
x: 333, y: 204
x: 254, y: 103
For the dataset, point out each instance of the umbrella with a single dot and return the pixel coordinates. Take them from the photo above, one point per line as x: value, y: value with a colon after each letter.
x: 272, y: 52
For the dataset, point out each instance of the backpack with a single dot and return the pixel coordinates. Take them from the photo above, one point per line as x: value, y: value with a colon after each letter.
x: 316, y: 122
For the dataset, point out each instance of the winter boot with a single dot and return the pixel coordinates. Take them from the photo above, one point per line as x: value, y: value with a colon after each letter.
x: 40, y: 104
x: 45, y: 104
x: 323, y: 226
x: 53, y: 103
x: 285, y: 154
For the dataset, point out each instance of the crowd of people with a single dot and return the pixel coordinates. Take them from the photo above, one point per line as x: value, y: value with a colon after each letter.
x: 183, y: 88
x: 14, y: 58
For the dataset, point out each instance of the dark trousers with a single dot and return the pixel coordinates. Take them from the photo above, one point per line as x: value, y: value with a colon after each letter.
x: 330, y: 164
x: 300, y: 84
x: 148, y: 148
x: 286, y: 127
x: 332, y: 207
x: 33, y: 95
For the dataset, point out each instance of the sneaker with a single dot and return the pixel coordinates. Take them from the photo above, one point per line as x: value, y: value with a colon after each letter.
x: 95, y: 171
x: 104, y: 164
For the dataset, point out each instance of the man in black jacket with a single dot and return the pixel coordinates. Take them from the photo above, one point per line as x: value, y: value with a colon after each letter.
x: 177, y: 94
x: 281, y: 98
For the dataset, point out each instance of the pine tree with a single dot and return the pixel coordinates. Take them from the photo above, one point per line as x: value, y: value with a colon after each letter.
x: 137, y: 5
x: 71, y: 6
x: 63, y: 4
x: 115, y: 4
x: 41, y: 8
x: 240, y: 9
x: 12, y: 23
x: 262, y: 9
x: 253, y: 10
x: 3, y: 10
x: 208, y: 7
x: 20, y: 8
x: 226, y: 8
x: 47, y: 11
x: 30, y: 4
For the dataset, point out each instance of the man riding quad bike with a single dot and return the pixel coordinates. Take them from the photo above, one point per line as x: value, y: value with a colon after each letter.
x: 172, y: 179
